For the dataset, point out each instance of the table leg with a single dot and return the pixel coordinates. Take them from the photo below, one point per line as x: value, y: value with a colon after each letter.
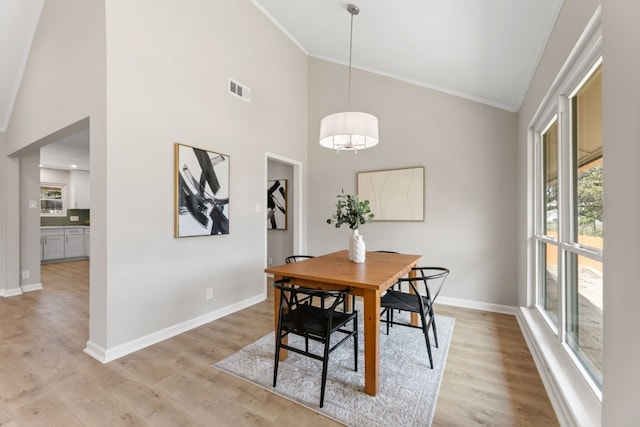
x: 371, y: 341
x: 276, y: 312
x: 414, y: 316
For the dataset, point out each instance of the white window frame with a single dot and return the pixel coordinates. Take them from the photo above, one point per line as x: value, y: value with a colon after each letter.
x: 63, y: 191
x: 563, y: 374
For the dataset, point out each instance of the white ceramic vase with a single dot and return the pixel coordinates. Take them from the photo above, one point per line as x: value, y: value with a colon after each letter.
x: 351, y: 240
x: 357, y: 250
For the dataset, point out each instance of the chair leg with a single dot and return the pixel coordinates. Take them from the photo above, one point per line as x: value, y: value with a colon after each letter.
x: 355, y: 343
x: 433, y: 326
x: 425, y: 331
x: 325, y: 363
x: 388, y: 310
x: 426, y: 336
x: 277, y: 359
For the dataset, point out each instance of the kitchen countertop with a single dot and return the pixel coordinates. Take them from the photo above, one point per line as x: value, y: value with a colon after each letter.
x: 53, y: 227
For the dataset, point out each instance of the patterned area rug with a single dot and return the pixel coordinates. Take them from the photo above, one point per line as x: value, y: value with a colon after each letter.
x: 408, y: 387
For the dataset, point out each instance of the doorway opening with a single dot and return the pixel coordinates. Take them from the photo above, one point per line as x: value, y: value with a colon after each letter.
x: 284, y: 201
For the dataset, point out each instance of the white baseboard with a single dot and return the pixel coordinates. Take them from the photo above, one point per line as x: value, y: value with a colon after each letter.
x: 477, y: 305
x: 109, y: 354
x: 12, y: 292
x: 32, y: 287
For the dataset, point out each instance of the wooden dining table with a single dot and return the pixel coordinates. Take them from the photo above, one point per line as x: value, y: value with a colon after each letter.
x: 368, y: 280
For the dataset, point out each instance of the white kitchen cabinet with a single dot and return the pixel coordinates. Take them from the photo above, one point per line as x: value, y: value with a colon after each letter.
x: 52, y: 244
x: 73, y: 242
x: 87, y: 238
x: 80, y: 189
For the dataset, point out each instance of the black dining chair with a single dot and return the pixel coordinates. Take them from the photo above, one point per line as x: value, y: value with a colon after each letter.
x: 298, y: 316
x: 296, y: 258
x: 423, y: 291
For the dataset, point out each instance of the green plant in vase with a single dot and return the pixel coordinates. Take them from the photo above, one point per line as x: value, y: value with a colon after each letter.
x: 354, y: 213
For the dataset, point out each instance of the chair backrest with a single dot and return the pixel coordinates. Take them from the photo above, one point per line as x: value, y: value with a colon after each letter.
x: 433, y: 278
x: 296, y: 258
x: 294, y: 297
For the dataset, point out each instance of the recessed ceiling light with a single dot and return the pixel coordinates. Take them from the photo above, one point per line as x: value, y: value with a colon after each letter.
x: 40, y: 165
x: 74, y: 166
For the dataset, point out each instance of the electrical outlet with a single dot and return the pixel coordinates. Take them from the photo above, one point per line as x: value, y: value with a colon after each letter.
x: 270, y: 261
x: 26, y: 274
x: 209, y: 293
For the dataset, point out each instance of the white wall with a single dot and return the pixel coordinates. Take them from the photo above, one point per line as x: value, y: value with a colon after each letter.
x: 280, y: 242
x: 468, y: 151
x: 3, y: 222
x: 168, y: 68
x: 621, y: 124
x: 30, y: 220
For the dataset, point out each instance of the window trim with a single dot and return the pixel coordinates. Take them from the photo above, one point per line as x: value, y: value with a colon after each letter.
x: 63, y: 191
x: 579, y: 396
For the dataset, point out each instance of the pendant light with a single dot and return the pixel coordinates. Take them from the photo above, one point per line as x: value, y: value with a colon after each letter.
x: 349, y: 130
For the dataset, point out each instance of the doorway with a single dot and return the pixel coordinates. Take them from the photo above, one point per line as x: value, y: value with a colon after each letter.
x: 283, y: 219
x: 64, y: 155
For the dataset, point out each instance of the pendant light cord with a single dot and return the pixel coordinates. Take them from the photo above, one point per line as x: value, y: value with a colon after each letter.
x: 353, y: 10
x: 350, y: 52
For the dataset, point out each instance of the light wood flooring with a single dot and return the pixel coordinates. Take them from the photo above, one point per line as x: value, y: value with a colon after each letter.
x: 47, y: 380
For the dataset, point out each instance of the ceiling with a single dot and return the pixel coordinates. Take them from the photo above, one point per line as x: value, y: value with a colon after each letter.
x: 483, y: 50
x: 72, y: 149
x: 18, y: 21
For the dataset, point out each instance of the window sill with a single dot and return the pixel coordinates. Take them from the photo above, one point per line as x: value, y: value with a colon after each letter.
x: 570, y: 393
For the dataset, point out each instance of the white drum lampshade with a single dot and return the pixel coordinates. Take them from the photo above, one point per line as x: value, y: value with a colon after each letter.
x: 350, y: 130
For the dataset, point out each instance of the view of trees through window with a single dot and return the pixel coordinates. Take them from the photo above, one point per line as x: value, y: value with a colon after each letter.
x: 590, y: 201
x: 570, y: 231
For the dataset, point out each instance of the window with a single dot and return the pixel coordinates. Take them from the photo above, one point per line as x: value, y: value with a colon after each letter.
x: 52, y: 200
x: 548, y: 245
x: 584, y: 254
x: 568, y: 220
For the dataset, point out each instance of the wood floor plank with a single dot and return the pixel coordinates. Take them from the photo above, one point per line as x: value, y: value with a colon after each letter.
x: 46, y: 378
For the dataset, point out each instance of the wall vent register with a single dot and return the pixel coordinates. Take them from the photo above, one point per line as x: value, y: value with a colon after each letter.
x: 239, y: 90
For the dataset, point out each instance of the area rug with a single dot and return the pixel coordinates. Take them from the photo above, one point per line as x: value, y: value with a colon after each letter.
x: 408, y: 387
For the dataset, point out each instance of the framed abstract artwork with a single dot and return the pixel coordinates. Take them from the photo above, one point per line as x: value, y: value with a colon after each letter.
x: 395, y: 194
x: 201, y: 192
x: 277, y: 204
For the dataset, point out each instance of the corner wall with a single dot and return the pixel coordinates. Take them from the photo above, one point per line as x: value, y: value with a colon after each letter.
x: 621, y: 125
x: 3, y: 213
x: 621, y: 145
x: 144, y: 77
x: 468, y: 151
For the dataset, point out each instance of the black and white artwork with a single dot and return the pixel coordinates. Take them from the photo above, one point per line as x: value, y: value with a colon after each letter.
x: 202, y: 192
x: 277, y: 204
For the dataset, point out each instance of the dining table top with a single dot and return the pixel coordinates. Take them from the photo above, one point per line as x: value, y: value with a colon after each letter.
x: 379, y: 271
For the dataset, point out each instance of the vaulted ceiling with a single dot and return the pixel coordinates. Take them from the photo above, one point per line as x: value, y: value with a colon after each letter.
x: 483, y: 50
